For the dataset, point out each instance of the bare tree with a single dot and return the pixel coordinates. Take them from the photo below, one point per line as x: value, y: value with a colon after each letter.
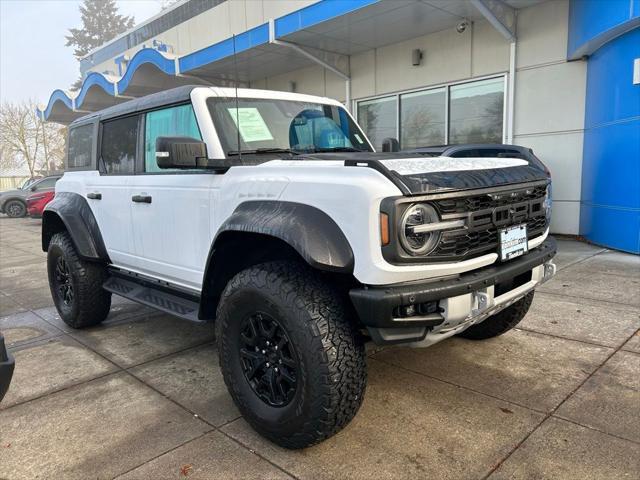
x: 26, y: 140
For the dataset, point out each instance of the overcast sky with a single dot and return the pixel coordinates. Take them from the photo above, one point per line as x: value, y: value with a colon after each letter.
x: 33, y: 58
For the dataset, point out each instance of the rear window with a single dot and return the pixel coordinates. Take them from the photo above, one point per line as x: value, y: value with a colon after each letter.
x: 80, y: 144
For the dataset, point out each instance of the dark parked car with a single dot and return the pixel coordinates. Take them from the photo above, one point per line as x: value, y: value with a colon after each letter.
x: 14, y: 202
x: 7, y: 364
x: 478, y: 150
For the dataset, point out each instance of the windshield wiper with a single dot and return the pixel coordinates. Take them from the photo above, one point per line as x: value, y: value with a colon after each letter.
x: 338, y: 149
x: 258, y: 151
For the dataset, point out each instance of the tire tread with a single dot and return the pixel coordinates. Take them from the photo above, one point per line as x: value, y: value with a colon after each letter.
x: 94, y: 302
x: 340, y: 349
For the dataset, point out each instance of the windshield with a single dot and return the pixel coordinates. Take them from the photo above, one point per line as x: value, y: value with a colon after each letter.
x: 268, y: 125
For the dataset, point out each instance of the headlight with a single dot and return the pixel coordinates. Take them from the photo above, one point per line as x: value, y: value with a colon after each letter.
x: 414, y: 241
x: 548, y: 203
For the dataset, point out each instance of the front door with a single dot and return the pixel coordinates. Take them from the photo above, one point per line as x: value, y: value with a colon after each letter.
x: 107, y: 193
x: 171, y: 209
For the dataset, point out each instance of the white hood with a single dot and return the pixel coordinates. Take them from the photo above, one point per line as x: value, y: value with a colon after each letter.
x: 409, y: 166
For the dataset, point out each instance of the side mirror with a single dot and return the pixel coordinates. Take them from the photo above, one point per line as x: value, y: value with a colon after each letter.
x: 390, y: 144
x: 179, y: 152
x: 33, y: 189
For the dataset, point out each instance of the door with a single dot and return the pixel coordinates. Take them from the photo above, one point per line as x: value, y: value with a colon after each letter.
x: 171, y: 217
x: 108, y: 193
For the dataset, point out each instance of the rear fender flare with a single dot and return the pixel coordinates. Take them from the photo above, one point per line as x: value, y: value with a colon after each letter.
x: 73, y: 211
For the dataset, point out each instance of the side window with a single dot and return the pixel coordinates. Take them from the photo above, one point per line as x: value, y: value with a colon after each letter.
x: 80, y: 143
x: 46, y: 184
x: 177, y: 121
x: 118, y: 146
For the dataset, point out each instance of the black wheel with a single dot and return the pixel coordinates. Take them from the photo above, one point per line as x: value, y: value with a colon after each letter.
x: 291, y: 356
x: 76, y: 285
x: 15, y: 209
x: 501, y: 322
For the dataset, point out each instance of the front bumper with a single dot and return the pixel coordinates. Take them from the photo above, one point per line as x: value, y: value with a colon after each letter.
x: 459, y: 302
x: 7, y: 364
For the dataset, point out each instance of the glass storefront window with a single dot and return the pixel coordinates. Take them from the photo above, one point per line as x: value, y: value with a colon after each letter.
x: 475, y: 112
x: 379, y: 119
x: 422, y: 118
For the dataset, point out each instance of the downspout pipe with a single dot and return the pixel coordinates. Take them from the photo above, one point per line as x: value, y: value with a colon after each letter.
x: 511, y: 94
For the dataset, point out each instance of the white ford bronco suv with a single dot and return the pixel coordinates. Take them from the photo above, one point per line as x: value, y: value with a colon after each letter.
x: 271, y: 214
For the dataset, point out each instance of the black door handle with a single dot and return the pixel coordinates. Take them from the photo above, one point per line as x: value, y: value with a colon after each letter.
x: 94, y: 196
x: 141, y: 198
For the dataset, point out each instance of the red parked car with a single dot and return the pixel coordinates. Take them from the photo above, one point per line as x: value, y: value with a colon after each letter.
x: 37, y: 201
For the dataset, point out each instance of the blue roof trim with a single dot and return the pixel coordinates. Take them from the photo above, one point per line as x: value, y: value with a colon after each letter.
x: 317, y: 13
x: 57, y: 96
x: 146, y: 55
x: 306, y: 17
x: 94, y: 79
x: 244, y: 41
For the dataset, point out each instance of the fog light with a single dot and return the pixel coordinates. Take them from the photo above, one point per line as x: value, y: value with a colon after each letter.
x: 409, y: 311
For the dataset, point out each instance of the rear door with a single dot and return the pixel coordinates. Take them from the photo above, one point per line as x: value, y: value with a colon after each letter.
x: 108, y: 192
x: 171, y: 220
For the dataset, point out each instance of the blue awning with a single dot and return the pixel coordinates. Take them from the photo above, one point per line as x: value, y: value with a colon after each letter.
x: 339, y: 27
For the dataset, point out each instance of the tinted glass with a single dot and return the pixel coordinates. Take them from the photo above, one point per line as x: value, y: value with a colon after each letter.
x: 80, y: 143
x: 270, y: 123
x: 170, y: 122
x: 118, y: 149
x: 476, y: 112
x: 422, y: 118
x: 46, y: 184
x: 378, y: 118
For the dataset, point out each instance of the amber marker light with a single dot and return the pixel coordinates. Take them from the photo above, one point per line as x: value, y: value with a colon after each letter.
x: 384, y: 229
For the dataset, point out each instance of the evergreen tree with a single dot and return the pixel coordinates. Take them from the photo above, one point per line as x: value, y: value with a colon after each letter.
x: 100, y: 23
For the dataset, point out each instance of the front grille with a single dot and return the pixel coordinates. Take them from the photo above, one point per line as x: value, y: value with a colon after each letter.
x: 485, y: 215
x: 484, y: 201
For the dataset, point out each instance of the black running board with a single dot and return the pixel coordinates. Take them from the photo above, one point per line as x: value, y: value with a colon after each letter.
x: 181, y: 305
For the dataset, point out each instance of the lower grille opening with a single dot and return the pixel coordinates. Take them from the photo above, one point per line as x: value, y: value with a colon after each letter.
x: 515, y: 282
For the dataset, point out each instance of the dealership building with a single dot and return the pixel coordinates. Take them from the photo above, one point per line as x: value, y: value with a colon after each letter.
x: 559, y: 76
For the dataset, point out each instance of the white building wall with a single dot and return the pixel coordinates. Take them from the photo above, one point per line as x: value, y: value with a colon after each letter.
x: 550, y: 92
x: 549, y: 105
x: 214, y: 25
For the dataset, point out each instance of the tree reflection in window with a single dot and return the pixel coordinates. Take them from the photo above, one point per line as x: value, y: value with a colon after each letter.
x: 476, y: 112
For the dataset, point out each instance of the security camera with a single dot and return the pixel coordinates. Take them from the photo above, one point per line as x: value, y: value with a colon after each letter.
x: 462, y: 26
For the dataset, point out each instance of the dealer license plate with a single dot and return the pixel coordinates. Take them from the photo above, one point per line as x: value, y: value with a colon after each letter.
x: 513, y: 242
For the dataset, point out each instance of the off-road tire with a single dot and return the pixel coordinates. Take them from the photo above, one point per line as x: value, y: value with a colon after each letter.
x: 15, y: 208
x: 330, y: 352
x: 501, y: 322
x: 91, y: 303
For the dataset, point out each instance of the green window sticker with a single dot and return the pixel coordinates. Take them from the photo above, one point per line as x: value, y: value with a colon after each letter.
x: 251, y: 124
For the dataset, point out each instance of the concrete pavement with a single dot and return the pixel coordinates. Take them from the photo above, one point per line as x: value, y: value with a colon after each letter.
x: 141, y: 396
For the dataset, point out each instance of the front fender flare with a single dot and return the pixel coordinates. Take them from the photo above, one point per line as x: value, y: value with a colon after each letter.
x: 310, y: 231
x: 75, y: 214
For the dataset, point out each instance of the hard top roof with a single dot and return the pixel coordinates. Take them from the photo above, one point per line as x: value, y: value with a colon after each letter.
x: 183, y: 94
x: 155, y: 100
